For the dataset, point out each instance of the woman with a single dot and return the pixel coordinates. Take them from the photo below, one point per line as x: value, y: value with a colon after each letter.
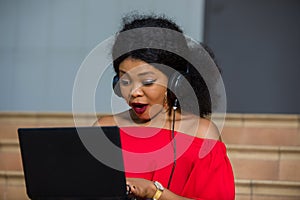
x: 164, y: 131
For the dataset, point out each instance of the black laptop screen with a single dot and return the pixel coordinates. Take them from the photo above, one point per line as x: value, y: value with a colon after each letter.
x: 58, y: 166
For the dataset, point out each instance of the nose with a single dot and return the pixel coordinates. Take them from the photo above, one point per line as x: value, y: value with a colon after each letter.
x: 136, y: 91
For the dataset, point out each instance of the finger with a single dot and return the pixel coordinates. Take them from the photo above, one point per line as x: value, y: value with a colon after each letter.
x: 128, y: 189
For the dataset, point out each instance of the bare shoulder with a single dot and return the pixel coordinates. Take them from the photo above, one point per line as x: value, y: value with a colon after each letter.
x: 207, y: 129
x: 107, y: 120
x: 120, y: 119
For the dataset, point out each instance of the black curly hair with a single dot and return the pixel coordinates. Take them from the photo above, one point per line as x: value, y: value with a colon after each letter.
x: 123, y: 46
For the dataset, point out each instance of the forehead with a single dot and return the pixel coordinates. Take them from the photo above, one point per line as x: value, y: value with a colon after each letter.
x: 136, y: 66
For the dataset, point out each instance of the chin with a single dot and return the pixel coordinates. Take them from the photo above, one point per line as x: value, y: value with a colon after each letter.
x: 143, y: 118
x: 140, y: 118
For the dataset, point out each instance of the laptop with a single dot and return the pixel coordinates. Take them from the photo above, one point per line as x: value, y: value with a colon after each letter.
x: 57, y: 164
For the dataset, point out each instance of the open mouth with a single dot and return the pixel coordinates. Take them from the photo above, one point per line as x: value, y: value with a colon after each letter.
x: 139, y: 108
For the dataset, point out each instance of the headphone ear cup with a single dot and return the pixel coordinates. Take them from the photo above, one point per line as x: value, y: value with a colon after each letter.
x: 178, y: 84
x: 173, y: 82
x: 116, y: 86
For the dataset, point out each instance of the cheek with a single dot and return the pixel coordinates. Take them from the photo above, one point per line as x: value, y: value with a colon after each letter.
x: 156, y: 95
x: 125, y: 93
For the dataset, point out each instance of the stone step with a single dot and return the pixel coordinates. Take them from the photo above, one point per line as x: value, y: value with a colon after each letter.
x: 248, y: 162
x: 10, y: 155
x: 230, y: 135
x: 12, y: 186
x: 246, y: 129
x: 267, y: 190
x: 10, y: 122
x: 265, y: 162
x: 271, y: 136
x: 262, y: 129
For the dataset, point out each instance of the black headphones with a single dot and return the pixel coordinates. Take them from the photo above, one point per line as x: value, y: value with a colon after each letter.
x: 176, y: 83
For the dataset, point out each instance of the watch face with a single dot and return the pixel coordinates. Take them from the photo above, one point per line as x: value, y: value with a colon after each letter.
x: 158, y: 185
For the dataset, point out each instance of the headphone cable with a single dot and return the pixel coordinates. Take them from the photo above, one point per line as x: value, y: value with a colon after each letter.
x: 175, y: 106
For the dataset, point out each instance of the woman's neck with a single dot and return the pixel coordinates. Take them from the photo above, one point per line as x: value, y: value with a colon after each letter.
x: 164, y: 119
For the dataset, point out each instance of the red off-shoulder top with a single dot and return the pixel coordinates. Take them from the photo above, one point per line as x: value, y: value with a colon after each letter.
x: 202, y: 169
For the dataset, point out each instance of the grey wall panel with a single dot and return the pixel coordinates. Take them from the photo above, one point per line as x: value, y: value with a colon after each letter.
x: 257, y: 44
x: 44, y: 42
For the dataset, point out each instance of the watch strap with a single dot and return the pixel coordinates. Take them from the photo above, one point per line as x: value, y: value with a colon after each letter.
x: 157, y: 194
x: 159, y: 190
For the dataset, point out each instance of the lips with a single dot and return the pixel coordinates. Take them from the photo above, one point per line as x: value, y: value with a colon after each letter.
x: 139, y: 108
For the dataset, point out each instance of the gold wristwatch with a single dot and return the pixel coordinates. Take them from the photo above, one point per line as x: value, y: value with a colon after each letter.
x: 159, y: 190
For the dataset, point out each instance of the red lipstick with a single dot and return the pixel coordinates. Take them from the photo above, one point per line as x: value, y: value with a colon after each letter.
x: 139, y: 108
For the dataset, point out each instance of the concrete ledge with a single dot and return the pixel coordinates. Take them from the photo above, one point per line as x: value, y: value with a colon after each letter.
x: 243, y: 187
x: 263, y: 120
x: 263, y: 187
x: 265, y: 162
x: 12, y: 178
x: 232, y: 119
x: 9, y: 145
x: 263, y: 152
x: 234, y: 150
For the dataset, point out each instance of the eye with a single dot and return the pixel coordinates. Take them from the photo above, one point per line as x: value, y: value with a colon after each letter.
x: 149, y: 82
x: 124, y: 82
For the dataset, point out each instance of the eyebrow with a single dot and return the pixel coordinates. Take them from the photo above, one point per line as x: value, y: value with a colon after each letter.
x: 140, y: 74
x: 145, y: 73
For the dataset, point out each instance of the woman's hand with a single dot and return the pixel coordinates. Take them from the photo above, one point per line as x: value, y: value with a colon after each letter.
x: 144, y: 189
x: 141, y: 188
